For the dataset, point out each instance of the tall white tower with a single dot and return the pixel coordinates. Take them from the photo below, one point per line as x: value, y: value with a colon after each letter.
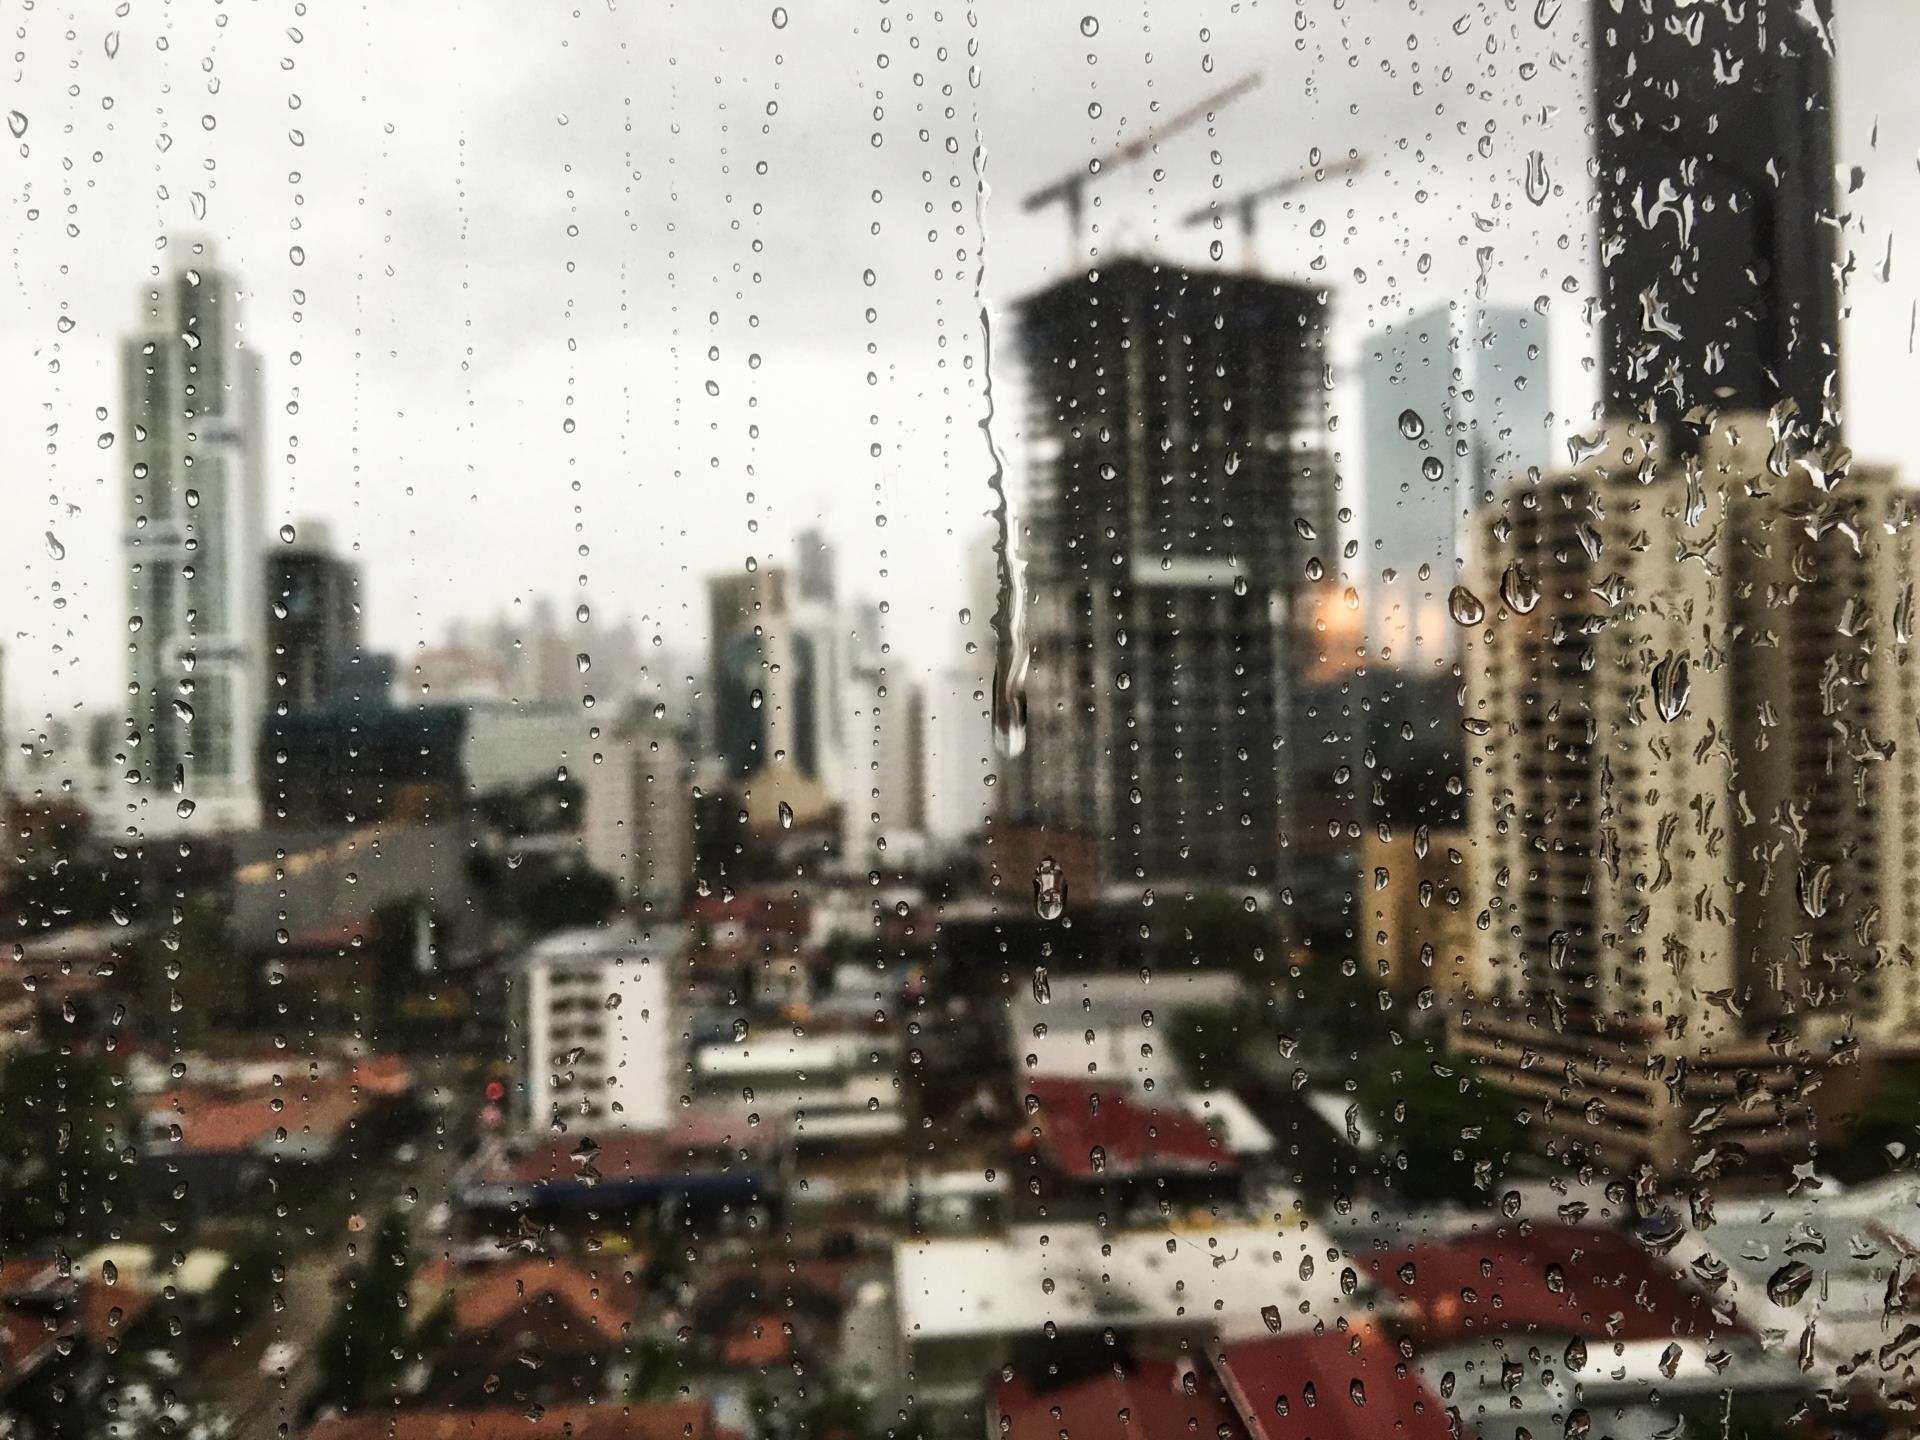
x: 195, y: 511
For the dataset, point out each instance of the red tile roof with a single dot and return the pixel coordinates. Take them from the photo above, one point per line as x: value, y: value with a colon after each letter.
x: 23, y: 1277
x: 758, y: 1340
x: 674, y: 1420
x: 1133, y: 1135
x: 28, y: 1339
x: 605, y: 1300
x: 218, y: 1121
x: 1148, y: 1402
x: 624, y: 1155
x: 1548, y: 1279
x: 1329, y: 1387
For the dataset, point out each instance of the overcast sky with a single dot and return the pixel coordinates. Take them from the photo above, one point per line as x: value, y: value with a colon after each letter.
x: 737, y: 247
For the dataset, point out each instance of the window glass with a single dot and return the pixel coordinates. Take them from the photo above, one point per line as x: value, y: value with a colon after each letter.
x: 897, y: 720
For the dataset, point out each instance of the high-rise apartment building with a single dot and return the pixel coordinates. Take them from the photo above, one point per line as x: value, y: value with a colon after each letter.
x: 195, y: 511
x: 638, y: 826
x: 1692, y: 785
x: 1455, y: 400
x: 1178, y: 494
x: 1718, y: 242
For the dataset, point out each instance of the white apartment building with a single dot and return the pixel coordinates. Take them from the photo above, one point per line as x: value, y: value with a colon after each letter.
x: 600, y: 1036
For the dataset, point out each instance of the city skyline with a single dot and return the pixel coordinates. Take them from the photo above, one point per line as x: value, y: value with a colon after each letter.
x: 375, y: 423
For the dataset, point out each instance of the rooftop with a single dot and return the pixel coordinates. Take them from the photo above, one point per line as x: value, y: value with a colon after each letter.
x: 671, y: 1420
x: 1090, y: 1132
x: 1085, y: 1277
x: 602, y: 1296
x: 1149, y: 1400
x: 1543, y: 1279
x: 1329, y: 1387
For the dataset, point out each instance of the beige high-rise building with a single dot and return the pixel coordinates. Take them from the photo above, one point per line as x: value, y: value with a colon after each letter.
x: 1692, y: 762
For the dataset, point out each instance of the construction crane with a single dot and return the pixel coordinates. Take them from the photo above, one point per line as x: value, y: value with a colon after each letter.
x: 1070, y: 188
x: 1246, y: 204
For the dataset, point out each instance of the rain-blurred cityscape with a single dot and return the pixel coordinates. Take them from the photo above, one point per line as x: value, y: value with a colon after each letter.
x: 1408, y: 933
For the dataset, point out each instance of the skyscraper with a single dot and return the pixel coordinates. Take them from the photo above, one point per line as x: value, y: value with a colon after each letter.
x: 778, y: 676
x: 1455, y: 400
x: 1178, y: 494
x: 962, y: 771
x: 884, y: 805
x: 195, y: 512
x: 313, y: 622
x: 1688, y: 697
x: 1717, y: 236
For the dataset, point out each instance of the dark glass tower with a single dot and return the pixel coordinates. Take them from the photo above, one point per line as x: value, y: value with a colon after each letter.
x: 1714, y: 138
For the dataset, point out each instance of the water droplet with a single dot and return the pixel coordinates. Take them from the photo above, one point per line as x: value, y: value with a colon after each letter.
x: 1787, y: 1284
x: 1411, y: 425
x: 1050, y: 889
x: 17, y: 123
x: 779, y: 17
x: 112, y: 43
x: 786, y: 816
x: 1432, y: 468
x: 1271, y: 1315
x: 287, y: 534
x: 1814, y: 885
x: 54, y: 547
x: 1671, y: 687
x: 1465, y: 606
x: 1089, y: 26
x: 1042, y: 986
x: 740, y: 1028
x: 1538, y: 183
x: 1518, y: 590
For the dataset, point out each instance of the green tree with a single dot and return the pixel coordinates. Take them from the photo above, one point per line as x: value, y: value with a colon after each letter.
x: 1216, y: 930
x: 1207, y: 1043
x: 1889, y: 1115
x: 244, y: 1286
x: 1438, y: 1126
x: 60, y: 1142
x: 363, y: 1350
x: 659, y: 1370
x: 185, y: 976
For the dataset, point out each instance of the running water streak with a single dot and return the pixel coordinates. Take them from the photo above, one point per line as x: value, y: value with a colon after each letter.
x: 1010, y: 612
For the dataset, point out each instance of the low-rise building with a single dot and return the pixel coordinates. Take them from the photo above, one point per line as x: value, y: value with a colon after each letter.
x: 967, y: 1307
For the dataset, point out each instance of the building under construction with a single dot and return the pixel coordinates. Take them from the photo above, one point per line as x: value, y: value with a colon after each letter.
x: 1179, y: 494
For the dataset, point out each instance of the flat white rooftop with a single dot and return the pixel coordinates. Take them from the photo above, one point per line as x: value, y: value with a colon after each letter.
x: 1083, y: 1276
